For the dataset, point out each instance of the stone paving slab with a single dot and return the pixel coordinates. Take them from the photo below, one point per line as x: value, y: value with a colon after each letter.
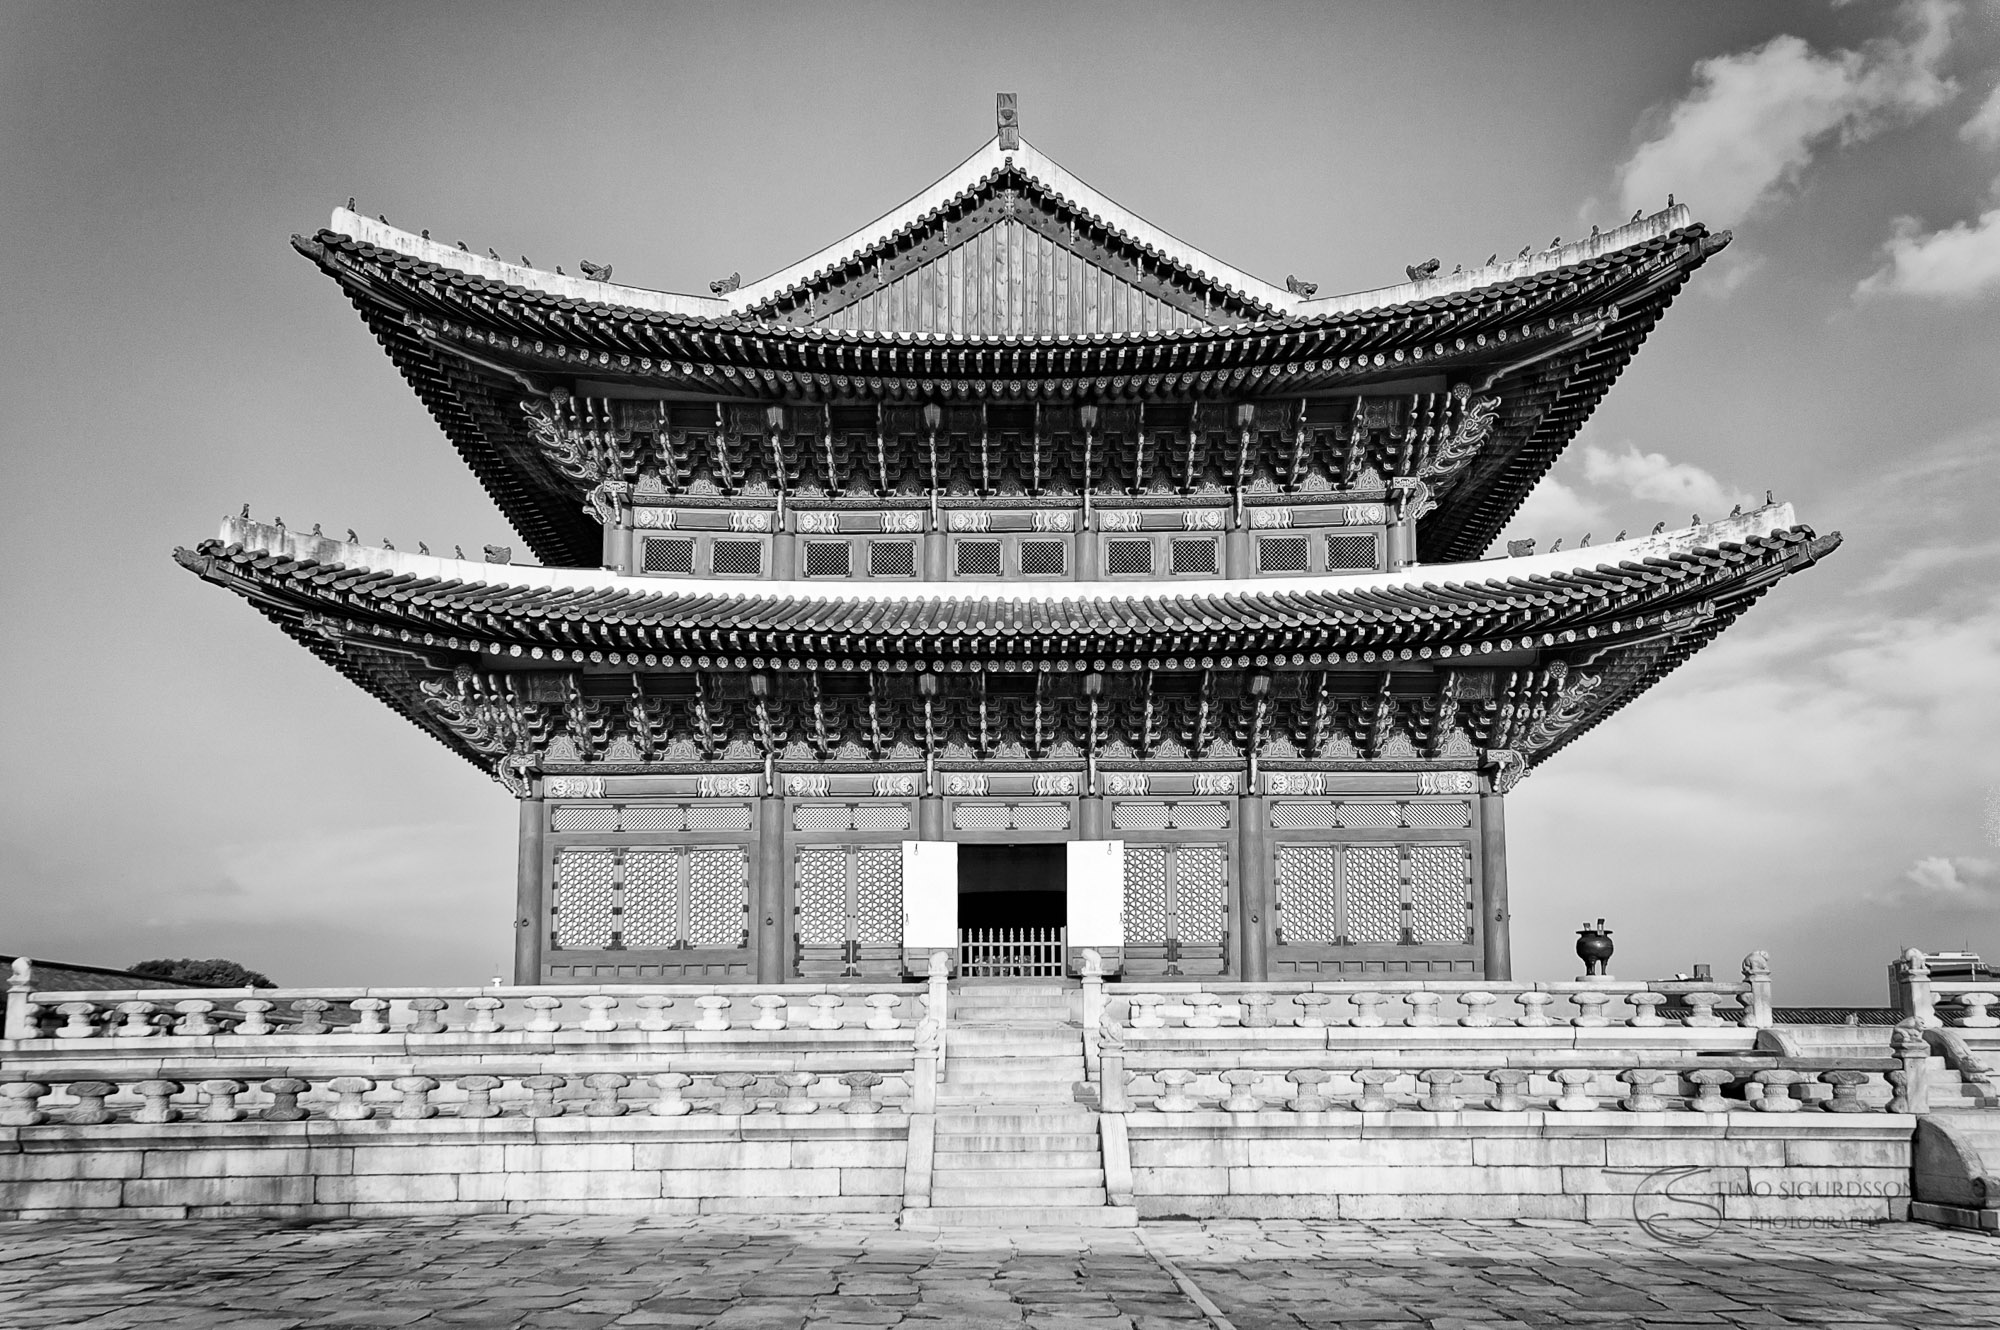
x: 855, y: 1273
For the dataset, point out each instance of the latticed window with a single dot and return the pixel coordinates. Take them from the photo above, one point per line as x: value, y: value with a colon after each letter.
x: 736, y: 558
x: 1042, y: 558
x: 669, y: 556
x: 1375, y: 895
x: 1350, y: 552
x: 650, y: 817
x: 1128, y: 558
x: 1309, y: 893
x: 828, y: 558
x: 1281, y: 554
x: 892, y: 558
x: 1181, y: 815
x: 1440, y: 888
x: 1194, y: 557
x: 848, y: 894
x: 652, y: 898
x: 1176, y: 894
x: 979, y: 558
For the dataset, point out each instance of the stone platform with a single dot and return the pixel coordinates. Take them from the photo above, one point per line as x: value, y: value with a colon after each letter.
x: 753, y: 1273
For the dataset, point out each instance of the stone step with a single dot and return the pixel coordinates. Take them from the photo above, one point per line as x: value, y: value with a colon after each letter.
x: 1004, y: 1182
x: 1013, y: 1033
x: 943, y: 1193
x: 1012, y: 1143
x: 1012, y: 1120
x: 1035, y: 1071
x: 1048, y: 1157
x: 1022, y: 1216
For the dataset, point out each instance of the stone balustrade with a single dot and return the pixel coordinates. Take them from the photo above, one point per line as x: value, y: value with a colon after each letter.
x: 1445, y: 1005
x: 1704, y: 1088
x: 242, y: 1016
x: 353, y: 1098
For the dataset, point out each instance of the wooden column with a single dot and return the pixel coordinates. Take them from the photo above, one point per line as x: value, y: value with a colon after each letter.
x: 1090, y: 817
x: 1253, y: 890
x: 531, y: 908
x: 936, y: 546
x: 930, y: 818
x: 785, y: 554
x: 1498, y: 960
x: 617, y: 547
x: 773, y: 964
x: 1088, y: 568
x: 1238, y: 559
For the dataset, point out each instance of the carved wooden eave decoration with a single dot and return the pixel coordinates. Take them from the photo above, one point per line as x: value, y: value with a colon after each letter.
x: 551, y: 669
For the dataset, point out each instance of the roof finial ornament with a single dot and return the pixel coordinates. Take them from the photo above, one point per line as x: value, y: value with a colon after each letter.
x: 1658, y: 527
x: 1303, y: 290
x: 724, y: 286
x: 352, y: 539
x: 1768, y: 501
x: 596, y: 272
x: 246, y: 513
x: 1670, y: 200
x: 1637, y: 213
x: 1417, y: 272
x: 350, y: 203
x: 1525, y: 251
x: 1007, y: 117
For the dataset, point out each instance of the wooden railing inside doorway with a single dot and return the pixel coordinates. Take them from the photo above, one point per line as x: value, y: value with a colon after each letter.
x: 1013, y: 953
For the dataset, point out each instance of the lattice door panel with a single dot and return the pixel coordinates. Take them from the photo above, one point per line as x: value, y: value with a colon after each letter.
x: 1373, y: 893
x: 1440, y: 893
x: 651, y: 911
x: 821, y: 902
x: 717, y: 897
x: 1308, y: 893
x: 849, y: 910
x: 658, y: 898
x: 586, y: 884
x: 1175, y: 908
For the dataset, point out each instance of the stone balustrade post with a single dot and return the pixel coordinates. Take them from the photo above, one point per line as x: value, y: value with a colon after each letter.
x: 1423, y: 1005
x: 1846, y: 1087
x: 1478, y: 1010
x: 1367, y: 1010
x: 542, y: 1008
x: 883, y: 1013
x: 1975, y: 1006
x: 671, y: 1102
x: 284, y: 1092
x: 135, y: 1021
x: 1642, y: 1098
x: 1439, y: 1098
x: 1777, y: 1096
x: 1912, y: 1080
x: 77, y: 1023
x: 348, y: 1105
x: 1312, y: 1011
x: 1757, y: 1005
x: 311, y: 1014
x: 194, y: 1017
x: 416, y: 1103
x: 714, y: 1012
x: 1910, y: 988
x: 427, y: 1015
x: 1709, y: 1084
x: 1242, y: 1096
x: 925, y: 1068
x: 479, y: 1096
x: 861, y: 1092
x: 826, y: 1011
x: 1508, y: 1084
x: 542, y: 1096
x: 1145, y: 1009
x: 1257, y: 1010
x: 1646, y: 1009
x: 1114, y: 1092
x: 219, y: 1101
x: 90, y: 1110
x: 20, y: 1103
x: 21, y: 1014
x: 937, y: 991
x: 734, y: 1099
x: 1091, y: 971
x: 1375, y: 1083
x: 1590, y: 1006
x: 1703, y: 1015
x: 255, y: 1016
x: 797, y: 1087
x: 604, y: 1087
x: 655, y: 1012
x: 597, y: 1013
x: 373, y: 1015
x: 1204, y: 1011
x: 1575, y: 1096
x: 1308, y: 1098
x: 482, y: 1015
x: 1173, y: 1097
x: 773, y: 1011
x: 1534, y: 1004
x: 156, y: 1101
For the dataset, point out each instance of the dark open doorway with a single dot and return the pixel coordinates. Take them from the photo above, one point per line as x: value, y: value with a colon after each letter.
x: 1012, y: 886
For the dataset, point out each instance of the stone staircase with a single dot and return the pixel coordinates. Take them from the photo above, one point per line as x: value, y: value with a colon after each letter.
x: 1014, y: 1147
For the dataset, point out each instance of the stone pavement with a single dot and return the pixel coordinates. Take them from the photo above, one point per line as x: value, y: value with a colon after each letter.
x: 748, y: 1274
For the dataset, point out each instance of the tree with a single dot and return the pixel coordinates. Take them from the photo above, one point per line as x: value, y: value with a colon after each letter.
x: 215, y: 973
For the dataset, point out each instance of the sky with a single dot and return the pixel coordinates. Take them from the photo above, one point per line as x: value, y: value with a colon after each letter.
x: 1823, y: 783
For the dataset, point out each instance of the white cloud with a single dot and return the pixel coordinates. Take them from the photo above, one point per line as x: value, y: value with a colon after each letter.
x: 1753, y: 120
x: 1960, y: 262
x: 1984, y: 127
x: 1652, y: 477
x: 1939, y: 881
x: 1733, y: 269
x: 1554, y: 509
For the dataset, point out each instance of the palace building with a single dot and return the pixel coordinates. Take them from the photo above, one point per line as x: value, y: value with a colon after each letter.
x: 1010, y: 577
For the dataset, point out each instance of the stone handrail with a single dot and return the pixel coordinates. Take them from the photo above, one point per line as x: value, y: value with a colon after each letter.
x: 1692, y: 1004
x: 344, y: 1013
x: 1701, y: 1087
x: 96, y: 1100
x: 1933, y: 1003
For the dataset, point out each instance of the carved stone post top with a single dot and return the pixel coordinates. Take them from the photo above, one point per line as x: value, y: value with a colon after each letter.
x: 596, y: 1001
x: 1912, y: 963
x: 1440, y: 1077
x: 861, y: 1079
x: 1308, y: 1076
x: 1174, y: 1076
x: 1643, y: 1075
x: 1507, y: 1075
x: 414, y: 1083
x: 1712, y: 1076
x: 1757, y: 965
x: 671, y: 1080
x: 479, y: 1082
x: 1241, y: 1076
x: 1376, y: 1075
x: 939, y: 965
x: 1573, y: 1076
x: 198, y: 1005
